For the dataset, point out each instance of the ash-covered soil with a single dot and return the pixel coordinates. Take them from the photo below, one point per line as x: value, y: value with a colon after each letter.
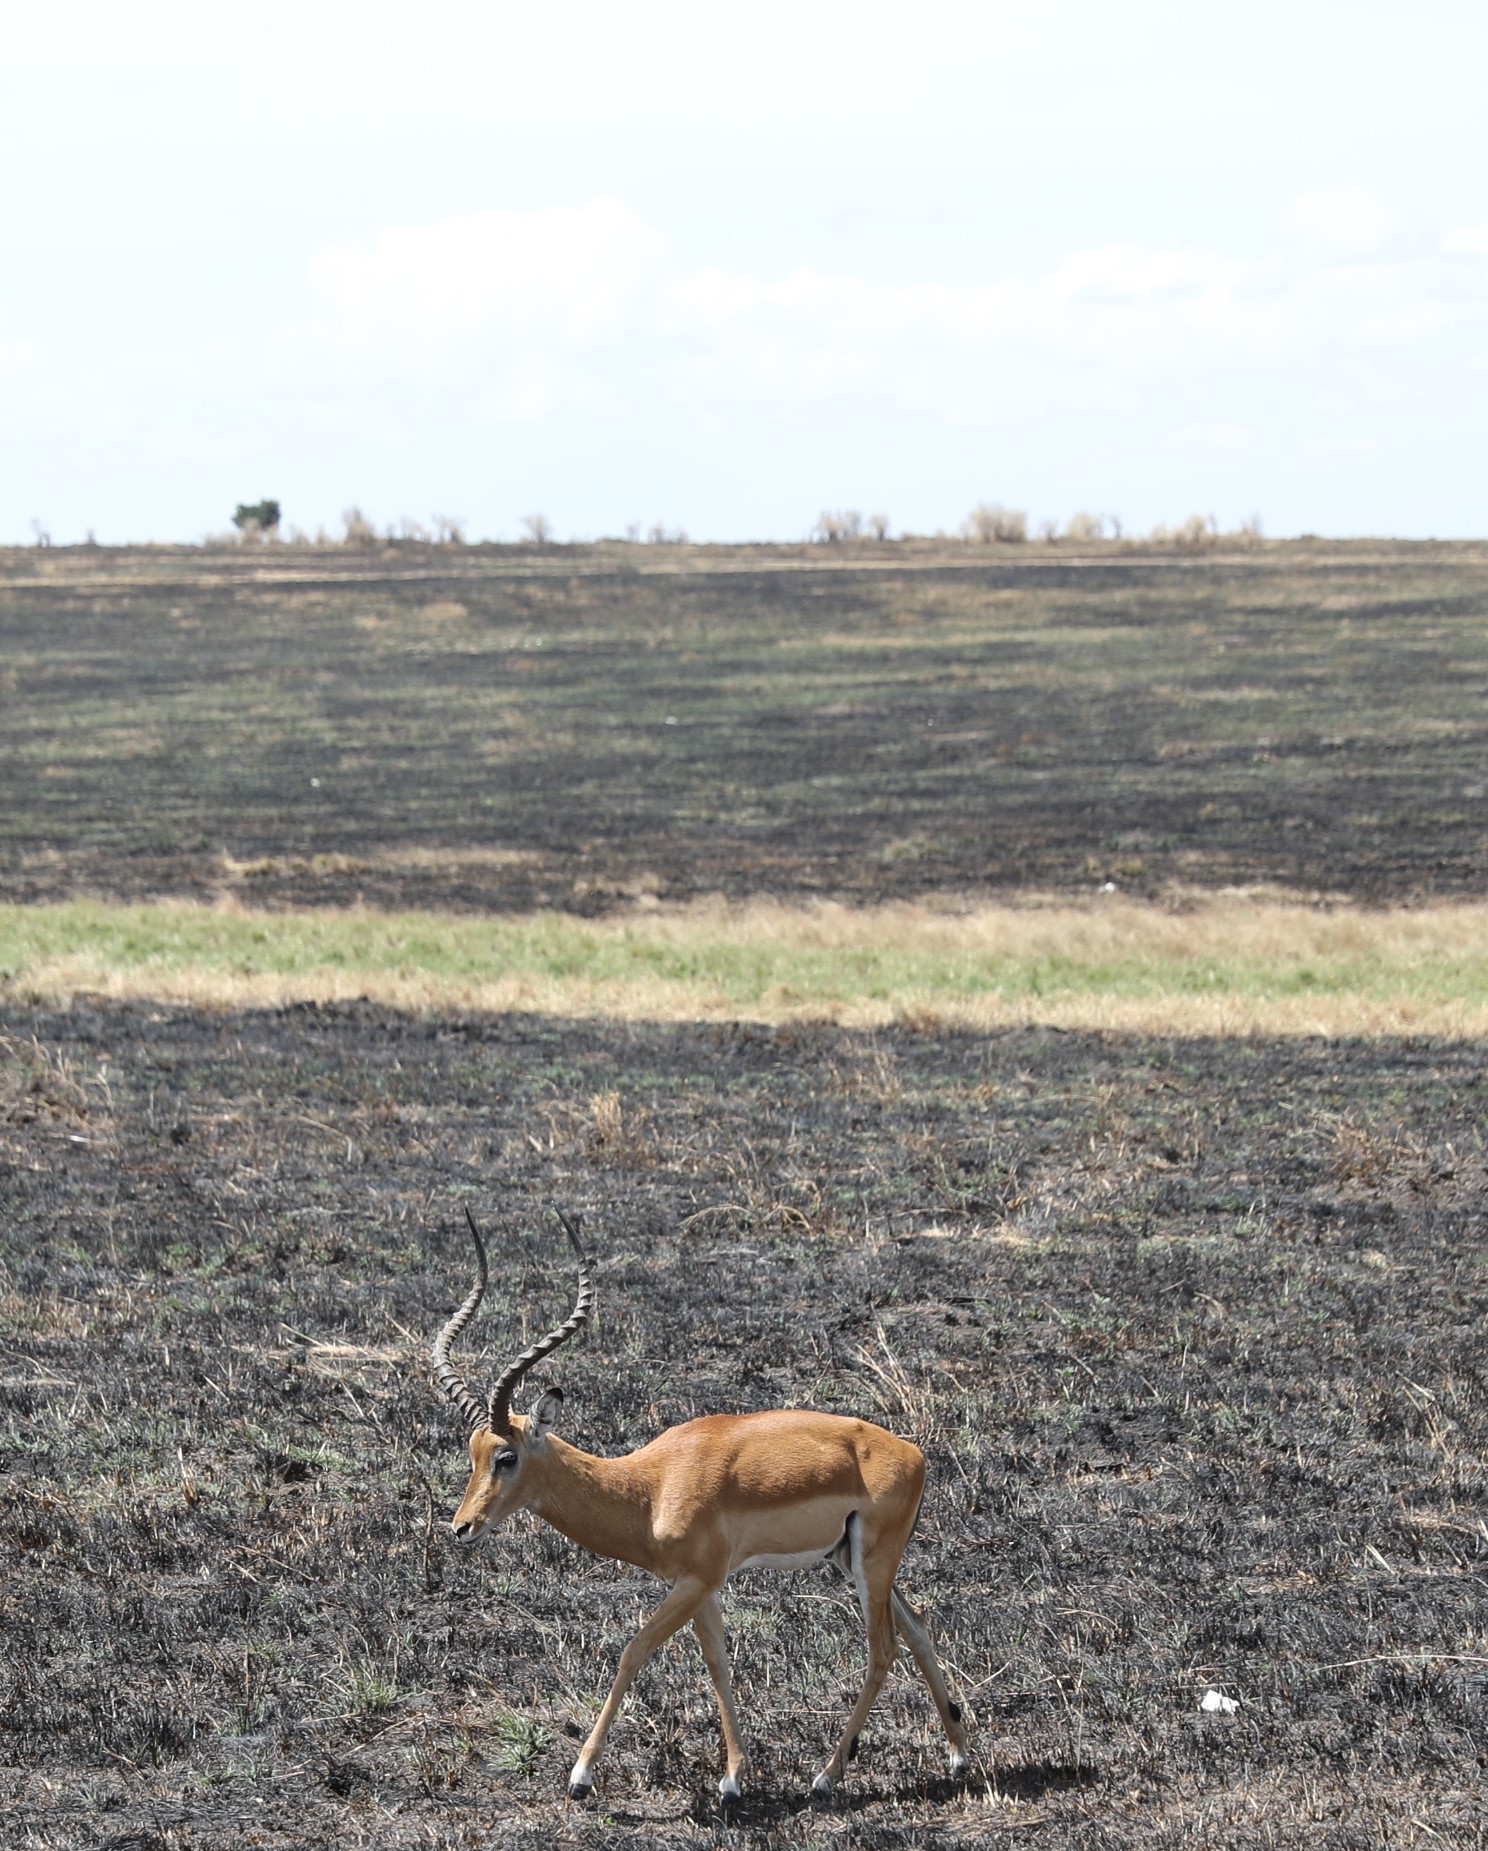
x: 578, y: 727
x: 1192, y: 1333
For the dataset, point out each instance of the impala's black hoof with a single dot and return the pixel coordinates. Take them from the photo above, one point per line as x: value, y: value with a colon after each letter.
x: 580, y: 1789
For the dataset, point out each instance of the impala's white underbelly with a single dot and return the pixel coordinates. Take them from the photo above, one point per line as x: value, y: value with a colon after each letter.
x: 805, y: 1558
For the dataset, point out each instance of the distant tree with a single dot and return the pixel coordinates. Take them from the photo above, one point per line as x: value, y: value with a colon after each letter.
x: 256, y: 516
x: 537, y: 529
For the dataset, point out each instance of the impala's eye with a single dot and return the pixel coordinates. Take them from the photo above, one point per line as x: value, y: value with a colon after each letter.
x: 504, y: 1461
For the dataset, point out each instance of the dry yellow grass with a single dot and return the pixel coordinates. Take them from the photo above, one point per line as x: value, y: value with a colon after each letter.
x: 382, y: 860
x: 1237, y: 964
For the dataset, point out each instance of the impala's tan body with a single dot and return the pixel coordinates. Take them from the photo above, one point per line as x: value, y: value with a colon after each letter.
x: 785, y: 1489
x: 711, y: 1496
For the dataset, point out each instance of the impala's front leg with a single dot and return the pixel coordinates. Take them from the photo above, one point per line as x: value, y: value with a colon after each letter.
x: 707, y: 1623
x: 675, y: 1611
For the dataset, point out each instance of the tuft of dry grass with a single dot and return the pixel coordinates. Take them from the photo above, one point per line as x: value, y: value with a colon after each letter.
x: 1362, y: 1154
x: 408, y: 858
x: 38, y: 1083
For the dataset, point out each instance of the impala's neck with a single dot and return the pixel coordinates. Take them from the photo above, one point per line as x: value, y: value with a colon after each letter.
x: 597, y: 1503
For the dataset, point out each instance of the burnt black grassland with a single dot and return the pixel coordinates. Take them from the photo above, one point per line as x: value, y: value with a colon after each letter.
x: 1191, y: 1331
x: 574, y: 726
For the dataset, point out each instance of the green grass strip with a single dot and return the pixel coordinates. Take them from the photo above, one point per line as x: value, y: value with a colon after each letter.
x: 765, y: 961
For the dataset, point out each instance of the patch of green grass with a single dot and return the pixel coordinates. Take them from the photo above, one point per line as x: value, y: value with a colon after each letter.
x: 775, y: 963
x: 370, y: 1688
x: 521, y: 1741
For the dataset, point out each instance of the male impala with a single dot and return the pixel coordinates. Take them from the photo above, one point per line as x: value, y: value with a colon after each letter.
x: 703, y: 1500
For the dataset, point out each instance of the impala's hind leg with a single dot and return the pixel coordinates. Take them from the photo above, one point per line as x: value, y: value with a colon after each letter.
x: 873, y: 1575
x: 917, y: 1637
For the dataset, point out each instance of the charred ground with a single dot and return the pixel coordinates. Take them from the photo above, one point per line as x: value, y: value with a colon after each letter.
x: 578, y: 726
x: 1191, y: 1331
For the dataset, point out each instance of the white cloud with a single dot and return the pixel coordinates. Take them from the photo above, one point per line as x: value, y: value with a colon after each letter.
x: 1340, y: 221
x: 1330, y: 449
x: 18, y: 358
x: 1467, y: 241
x: 586, y: 308
x: 1213, y: 437
x: 1126, y: 272
x: 568, y: 273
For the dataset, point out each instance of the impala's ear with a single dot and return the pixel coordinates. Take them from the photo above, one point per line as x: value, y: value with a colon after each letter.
x: 543, y: 1415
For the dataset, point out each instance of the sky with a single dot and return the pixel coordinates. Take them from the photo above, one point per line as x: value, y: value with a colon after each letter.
x: 722, y: 268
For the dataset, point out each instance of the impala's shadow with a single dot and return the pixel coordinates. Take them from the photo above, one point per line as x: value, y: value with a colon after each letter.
x: 1036, y: 1780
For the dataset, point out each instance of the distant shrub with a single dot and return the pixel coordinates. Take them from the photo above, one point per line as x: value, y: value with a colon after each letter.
x: 832, y: 529
x: 1200, y: 533
x: 662, y: 535
x: 990, y: 522
x: 878, y: 526
x: 449, y: 530
x: 359, y: 531
x: 256, y: 517
x: 1195, y: 535
x: 1083, y: 528
x: 537, y: 529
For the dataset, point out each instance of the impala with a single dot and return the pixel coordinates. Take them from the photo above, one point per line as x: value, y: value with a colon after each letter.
x: 701, y: 1501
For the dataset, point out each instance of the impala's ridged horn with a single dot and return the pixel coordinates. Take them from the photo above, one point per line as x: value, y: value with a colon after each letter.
x: 499, y: 1418
x: 446, y: 1377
